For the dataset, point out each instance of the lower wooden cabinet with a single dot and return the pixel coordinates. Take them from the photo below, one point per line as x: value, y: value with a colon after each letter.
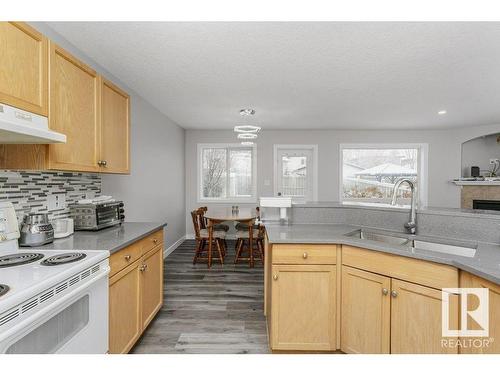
x: 416, y: 319
x: 303, y: 307
x: 366, y: 312
x: 482, y: 345
x: 135, y: 292
x: 152, y: 285
x: 125, y: 321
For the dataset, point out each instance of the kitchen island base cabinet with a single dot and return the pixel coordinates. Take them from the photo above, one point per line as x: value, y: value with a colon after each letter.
x: 492, y: 342
x: 366, y: 312
x: 416, y: 319
x: 135, y: 291
x: 303, y: 307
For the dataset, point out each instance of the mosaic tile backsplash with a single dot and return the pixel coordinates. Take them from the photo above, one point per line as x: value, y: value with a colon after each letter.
x: 28, y: 190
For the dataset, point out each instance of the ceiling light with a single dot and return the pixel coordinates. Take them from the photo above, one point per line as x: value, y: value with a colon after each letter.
x: 443, y: 112
x: 247, y: 129
x: 247, y: 136
x: 247, y: 143
x: 247, y: 112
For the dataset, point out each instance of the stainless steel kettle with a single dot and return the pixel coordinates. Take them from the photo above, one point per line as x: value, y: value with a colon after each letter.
x: 36, y: 230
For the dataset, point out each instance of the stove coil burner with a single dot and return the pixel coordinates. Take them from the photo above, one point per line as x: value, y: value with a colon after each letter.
x: 63, y: 259
x: 12, y: 260
x: 3, y: 289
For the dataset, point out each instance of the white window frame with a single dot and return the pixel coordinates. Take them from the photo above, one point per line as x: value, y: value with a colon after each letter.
x: 314, y: 149
x: 422, y: 172
x: 201, y: 198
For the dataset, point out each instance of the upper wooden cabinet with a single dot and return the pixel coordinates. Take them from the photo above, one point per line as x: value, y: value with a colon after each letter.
x: 23, y: 67
x: 92, y: 112
x: 75, y: 99
x: 115, y: 129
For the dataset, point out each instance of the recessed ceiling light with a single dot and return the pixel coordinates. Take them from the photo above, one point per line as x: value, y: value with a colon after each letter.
x: 247, y: 143
x: 442, y: 112
x: 247, y: 136
x: 247, y: 129
x: 247, y: 112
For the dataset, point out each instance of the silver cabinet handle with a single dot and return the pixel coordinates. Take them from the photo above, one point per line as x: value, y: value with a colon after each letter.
x: 127, y: 257
x: 275, y: 277
x: 143, y: 268
x: 394, y: 294
x: 102, y: 163
x: 385, y: 291
x: 304, y: 255
x: 155, y: 241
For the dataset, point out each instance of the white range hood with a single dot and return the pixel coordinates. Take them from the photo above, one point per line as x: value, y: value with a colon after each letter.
x: 22, y: 127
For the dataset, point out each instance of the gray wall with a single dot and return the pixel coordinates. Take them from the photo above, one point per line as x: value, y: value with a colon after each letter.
x: 154, y: 191
x: 478, y: 152
x: 444, y: 158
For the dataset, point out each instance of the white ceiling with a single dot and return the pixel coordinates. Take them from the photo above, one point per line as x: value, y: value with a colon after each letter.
x: 304, y: 75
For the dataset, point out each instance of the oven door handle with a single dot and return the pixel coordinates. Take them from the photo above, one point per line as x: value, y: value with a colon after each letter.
x: 16, y: 329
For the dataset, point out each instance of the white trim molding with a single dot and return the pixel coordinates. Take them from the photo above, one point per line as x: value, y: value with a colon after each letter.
x: 422, y: 172
x: 313, y: 148
x: 171, y: 248
x: 199, y: 172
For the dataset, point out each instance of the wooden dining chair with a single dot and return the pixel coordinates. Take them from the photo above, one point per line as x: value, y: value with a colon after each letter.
x: 243, y: 240
x: 201, y: 231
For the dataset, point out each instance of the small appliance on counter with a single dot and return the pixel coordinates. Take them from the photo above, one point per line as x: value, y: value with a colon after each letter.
x: 63, y: 227
x: 98, y: 213
x: 36, y: 230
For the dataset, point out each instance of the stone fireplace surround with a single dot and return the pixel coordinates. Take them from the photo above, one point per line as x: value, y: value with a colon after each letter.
x: 471, y: 192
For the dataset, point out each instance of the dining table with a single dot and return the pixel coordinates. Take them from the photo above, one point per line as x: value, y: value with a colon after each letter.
x: 219, y: 215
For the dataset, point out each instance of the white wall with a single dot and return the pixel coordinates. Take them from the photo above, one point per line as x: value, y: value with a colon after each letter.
x: 444, y: 158
x: 154, y: 191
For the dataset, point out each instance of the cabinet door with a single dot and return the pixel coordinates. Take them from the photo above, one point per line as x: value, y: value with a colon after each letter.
x: 416, y: 319
x: 74, y: 111
x: 303, y: 307
x: 23, y: 67
x: 152, y: 285
x: 366, y: 312
x: 115, y: 110
x: 125, y: 309
x: 493, y: 347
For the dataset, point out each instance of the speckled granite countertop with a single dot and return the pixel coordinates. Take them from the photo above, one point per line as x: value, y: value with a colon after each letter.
x: 485, y: 263
x: 110, y: 239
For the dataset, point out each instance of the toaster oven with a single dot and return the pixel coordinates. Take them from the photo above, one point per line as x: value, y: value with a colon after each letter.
x: 96, y: 216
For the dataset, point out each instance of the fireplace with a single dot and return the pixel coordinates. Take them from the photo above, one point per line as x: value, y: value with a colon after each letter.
x: 481, y: 204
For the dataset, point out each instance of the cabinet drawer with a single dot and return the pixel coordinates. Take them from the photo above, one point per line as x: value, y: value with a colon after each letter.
x: 151, y: 241
x: 304, y: 254
x: 124, y: 257
x: 422, y: 272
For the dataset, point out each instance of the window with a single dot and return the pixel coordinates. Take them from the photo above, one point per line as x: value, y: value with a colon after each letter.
x: 369, y: 172
x: 226, y: 173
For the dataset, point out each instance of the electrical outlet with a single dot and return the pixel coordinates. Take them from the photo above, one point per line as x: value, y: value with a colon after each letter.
x: 56, y: 202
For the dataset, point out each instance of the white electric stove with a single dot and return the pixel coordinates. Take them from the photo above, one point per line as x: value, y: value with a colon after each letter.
x: 51, y: 301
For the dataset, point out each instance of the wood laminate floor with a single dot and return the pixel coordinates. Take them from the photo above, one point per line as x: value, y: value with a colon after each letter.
x: 208, y: 311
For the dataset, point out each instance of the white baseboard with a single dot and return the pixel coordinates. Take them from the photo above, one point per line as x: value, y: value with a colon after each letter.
x: 175, y: 245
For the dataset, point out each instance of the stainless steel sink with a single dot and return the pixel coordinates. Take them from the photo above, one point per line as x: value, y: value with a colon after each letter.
x: 379, y: 237
x: 463, y: 251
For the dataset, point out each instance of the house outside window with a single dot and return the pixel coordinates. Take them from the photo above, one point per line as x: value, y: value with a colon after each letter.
x: 226, y: 173
x: 369, y: 172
